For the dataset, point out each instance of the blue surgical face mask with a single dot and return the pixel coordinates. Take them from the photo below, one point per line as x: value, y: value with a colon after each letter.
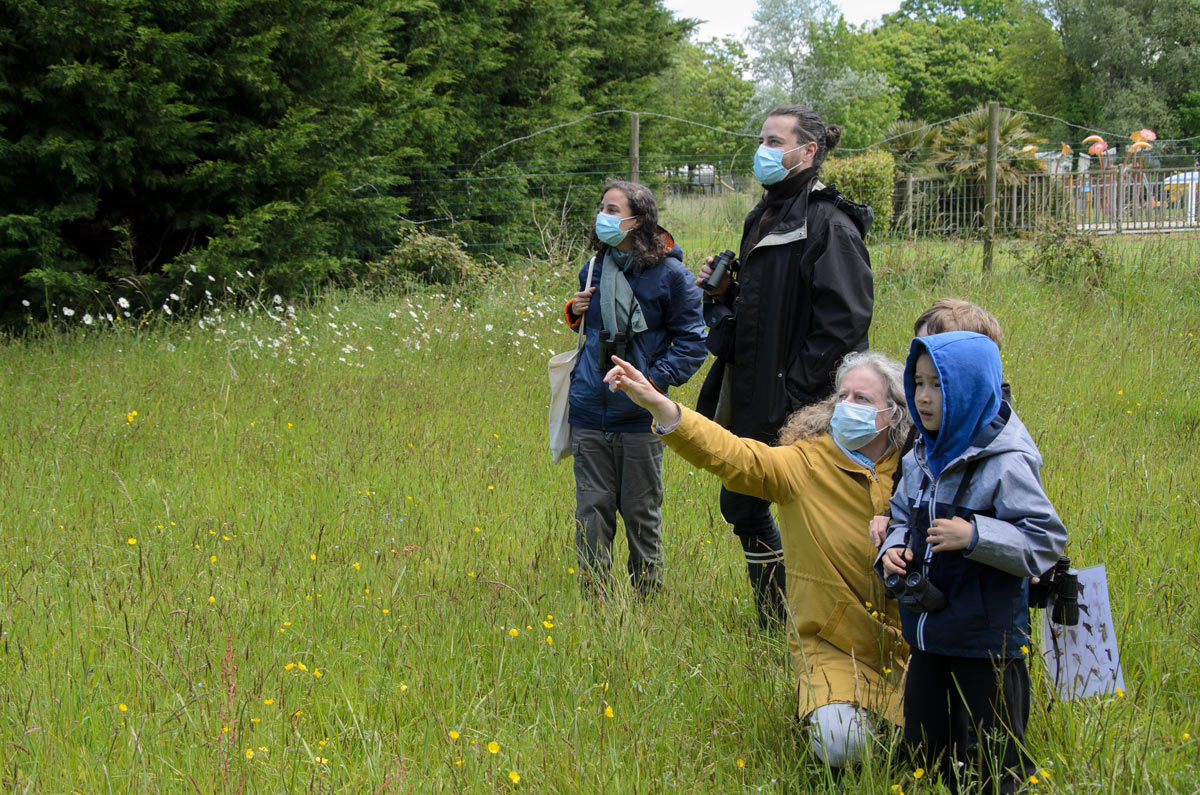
x: 768, y: 164
x: 608, y: 228
x: 853, y: 424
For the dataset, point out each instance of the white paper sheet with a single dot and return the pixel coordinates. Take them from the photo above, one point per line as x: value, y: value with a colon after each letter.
x: 1083, y: 660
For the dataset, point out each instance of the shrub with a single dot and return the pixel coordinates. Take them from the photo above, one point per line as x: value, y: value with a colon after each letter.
x: 1061, y: 254
x: 423, y: 258
x: 866, y: 178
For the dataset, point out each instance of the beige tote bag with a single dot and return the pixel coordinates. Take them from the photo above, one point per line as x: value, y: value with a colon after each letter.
x: 561, y: 366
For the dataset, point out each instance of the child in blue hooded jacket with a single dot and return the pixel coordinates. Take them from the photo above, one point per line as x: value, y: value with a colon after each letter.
x: 971, y: 516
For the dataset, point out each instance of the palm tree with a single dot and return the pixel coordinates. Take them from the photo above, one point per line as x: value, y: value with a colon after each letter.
x: 961, y: 148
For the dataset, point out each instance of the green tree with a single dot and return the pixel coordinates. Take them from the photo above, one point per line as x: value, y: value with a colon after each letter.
x: 1138, y: 60
x: 806, y: 53
x: 132, y: 133
x: 704, y: 84
x: 962, y: 145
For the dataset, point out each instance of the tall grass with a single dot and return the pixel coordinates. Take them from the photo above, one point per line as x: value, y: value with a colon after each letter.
x: 329, y: 552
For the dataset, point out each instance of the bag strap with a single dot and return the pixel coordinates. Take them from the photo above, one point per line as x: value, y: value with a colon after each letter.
x: 583, y: 318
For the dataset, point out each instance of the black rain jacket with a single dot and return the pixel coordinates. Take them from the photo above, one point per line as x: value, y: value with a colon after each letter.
x: 802, y: 300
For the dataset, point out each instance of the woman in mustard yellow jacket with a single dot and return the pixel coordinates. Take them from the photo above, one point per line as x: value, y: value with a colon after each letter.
x: 831, y: 474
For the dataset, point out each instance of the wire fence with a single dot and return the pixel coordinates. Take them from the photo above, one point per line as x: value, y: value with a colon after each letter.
x: 521, y: 208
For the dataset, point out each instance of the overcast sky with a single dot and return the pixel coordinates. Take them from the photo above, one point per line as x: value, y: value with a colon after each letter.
x: 732, y: 17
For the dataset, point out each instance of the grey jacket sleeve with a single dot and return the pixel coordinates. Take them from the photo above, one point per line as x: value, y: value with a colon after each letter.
x: 1023, y: 535
x: 901, y: 504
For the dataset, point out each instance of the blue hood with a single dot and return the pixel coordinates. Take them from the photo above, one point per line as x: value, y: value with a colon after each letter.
x: 968, y: 366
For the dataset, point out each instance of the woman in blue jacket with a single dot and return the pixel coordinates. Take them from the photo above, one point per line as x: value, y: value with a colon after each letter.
x: 643, y: 305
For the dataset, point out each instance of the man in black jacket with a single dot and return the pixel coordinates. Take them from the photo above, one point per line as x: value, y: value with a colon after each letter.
x: 801, y: 300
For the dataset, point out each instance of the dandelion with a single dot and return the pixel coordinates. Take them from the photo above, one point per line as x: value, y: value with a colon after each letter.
x: 514, y: 776
x: 1120, y: 693
x: 454, y: 735
x: 608, y: 713
x: 570, y: 570
x: 1186, y: 737
x: 385, y: 611
x: 403, y: 688
x: 1025, y: 650
x: 318, y: 673
x: 212, y: 558
x: 268, y: 701
x: 289, y: 666
x: 493, y: 747
x: 249, y: 753
x: 514, y: 632
x: 458, y: 763
x: 312, y: 556
x: 357, y: 566
x: 549, y: 640
x: 212, y: 600
x: 491, y: 487
x: 919, y: 773
x: 68, y: 311
x: 131, y: 541
x: 1033, y: 779
x: 322, y: 743
x: 256, y: 720
x: 476, y: 529
x: 122, y: 707
x: 1045, y: 773
x: 741, y: 763
x: 301, y: 666
x: 322, y: 760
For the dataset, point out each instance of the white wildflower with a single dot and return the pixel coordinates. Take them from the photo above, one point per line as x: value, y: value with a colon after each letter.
x: 68, y: 311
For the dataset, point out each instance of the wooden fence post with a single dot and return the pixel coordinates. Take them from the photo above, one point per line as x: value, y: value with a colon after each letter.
x: 634, y: 157
x: 989, y: 207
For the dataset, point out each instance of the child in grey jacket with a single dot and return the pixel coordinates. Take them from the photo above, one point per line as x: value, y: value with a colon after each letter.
x: 970, y: 518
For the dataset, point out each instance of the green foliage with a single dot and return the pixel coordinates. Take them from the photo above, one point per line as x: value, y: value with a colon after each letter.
x: 962, y: 145
x: 868, y: 178
x: 944, y: 65
x: 422, y: 258
x: 1137, y: 60
x: 805, y: 53
x: 133, y: 133
x: 704, y: 83
x: 1061, y: 254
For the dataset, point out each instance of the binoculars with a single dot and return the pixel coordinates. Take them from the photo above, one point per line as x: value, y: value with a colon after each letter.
x: 915, y: 592
x: 724, y: 262
x: 1059, y: 589
x: 611, y: 345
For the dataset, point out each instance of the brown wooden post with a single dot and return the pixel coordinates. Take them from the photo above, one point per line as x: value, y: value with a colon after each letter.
x: 989, y: 208
x: 634, y: 157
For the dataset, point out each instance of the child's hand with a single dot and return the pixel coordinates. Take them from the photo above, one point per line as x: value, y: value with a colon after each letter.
x: 894, y: 560
x: 878, y: 530
x: 949, y: 534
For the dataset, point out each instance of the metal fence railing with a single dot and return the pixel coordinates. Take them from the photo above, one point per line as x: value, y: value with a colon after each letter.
x: 1095, y: 201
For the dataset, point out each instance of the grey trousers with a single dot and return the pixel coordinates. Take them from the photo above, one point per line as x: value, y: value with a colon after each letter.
x: 618, y: 472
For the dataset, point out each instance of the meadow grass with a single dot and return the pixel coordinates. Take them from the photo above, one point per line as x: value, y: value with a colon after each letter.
x: 329, y: 551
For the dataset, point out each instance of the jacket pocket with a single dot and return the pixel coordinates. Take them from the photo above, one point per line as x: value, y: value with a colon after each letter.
x: 851, y: 629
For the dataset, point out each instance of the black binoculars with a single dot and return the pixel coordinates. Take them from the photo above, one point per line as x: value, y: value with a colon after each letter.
x: 1059, y: 589
x: 724, y: 262
x: 611, y: 345
x: 915, y: 592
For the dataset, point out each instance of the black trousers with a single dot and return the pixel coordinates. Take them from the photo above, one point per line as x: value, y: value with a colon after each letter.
x: 755, y: 527
x: 966, y: 717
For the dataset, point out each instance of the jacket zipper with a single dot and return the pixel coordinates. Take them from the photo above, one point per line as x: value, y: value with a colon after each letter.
x: 926, y: 564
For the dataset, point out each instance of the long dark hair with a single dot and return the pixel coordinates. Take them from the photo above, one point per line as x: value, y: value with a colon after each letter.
x: 809, y: 127
x: 648, y: 248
